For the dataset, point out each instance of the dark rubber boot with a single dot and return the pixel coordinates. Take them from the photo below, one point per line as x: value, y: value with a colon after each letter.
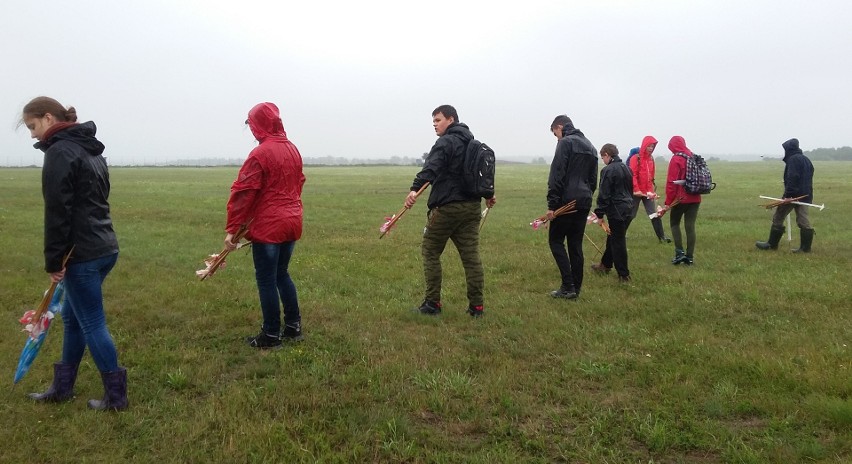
x: 775, y: 234
x: 807, y: 240
x: 658, y: 229
x: 115, y: 391
x: 62, y: 388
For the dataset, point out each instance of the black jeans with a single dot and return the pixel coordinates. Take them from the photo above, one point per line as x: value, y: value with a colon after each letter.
x: 569, y: 227
x: 616, y: 246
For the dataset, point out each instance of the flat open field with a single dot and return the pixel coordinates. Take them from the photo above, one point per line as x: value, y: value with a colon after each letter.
x: 745, y: 357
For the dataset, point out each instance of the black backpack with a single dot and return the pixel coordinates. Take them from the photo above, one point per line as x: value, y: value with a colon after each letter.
x: 478, y: 169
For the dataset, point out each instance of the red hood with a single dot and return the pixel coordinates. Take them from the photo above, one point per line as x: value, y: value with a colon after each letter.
x: 643, y: 152
x: 678, y: 145
x: 264, y: 120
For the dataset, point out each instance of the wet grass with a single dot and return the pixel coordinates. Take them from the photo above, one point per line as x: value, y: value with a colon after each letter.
x: 743, y: 357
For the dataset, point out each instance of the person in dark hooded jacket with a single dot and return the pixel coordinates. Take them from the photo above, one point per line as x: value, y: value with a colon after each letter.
x: 267, y: 196
x: 798, y: 181
x: 573, y: 177
x: 454, y: 214
x: 615, y: 200
x: 77, y: 223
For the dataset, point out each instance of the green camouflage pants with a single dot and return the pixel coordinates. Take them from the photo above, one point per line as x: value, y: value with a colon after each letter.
x: 459, y: 222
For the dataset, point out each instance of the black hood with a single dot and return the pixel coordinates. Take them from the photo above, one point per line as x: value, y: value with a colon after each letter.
x: 791, y: 147
x: 81, y: 134
x: 460, y: 129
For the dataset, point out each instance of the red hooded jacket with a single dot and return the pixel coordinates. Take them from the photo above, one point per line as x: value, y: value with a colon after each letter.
x: 268, y: 189
x: 677, y: 171
x: 643, y: 169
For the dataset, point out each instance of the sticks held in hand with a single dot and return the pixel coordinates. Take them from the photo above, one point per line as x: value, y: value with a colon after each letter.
x: 217, y: 260
x: 386, y: 227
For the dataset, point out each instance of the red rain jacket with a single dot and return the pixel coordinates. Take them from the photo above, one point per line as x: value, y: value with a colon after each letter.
x: 643, y: 169
x: 677, y: 171
x: 268, y: 189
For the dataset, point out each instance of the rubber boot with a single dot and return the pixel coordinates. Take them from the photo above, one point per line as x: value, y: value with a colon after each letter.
x: 775, y: 234
x: 62, y: 388
x: 807, y: 240
x: 115, y: 391
x: 658, y: 229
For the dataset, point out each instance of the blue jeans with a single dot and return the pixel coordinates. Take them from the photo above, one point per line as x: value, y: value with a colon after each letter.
x: 83, y: 314
x: 271, y: 261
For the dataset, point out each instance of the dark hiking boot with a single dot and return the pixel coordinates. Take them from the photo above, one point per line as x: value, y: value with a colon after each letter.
x: 600, y: 268
x: 566, y: 293
x: 475, y: 311
x: 679, y: 256
x: 292, y: 333
x: 687, y: 260
x: 430, y: 308
x: 115, y: 391
x: 624, y: 279
x: 775, y: 234
x: 807, y: 241
x: 62, y: 388
x: 264, y: 341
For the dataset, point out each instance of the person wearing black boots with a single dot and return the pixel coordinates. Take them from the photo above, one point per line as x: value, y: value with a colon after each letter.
x: 798, y: 181
x: 75, y: 186
x: 643, y: 169
x: 615, y: 200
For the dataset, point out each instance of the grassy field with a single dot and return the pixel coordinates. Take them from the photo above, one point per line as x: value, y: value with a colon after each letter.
x: 744, y: 357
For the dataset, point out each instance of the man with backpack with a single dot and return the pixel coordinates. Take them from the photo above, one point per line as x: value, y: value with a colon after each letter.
x: 454, y: 210
x: 798, y: 181
x: 573, y: 177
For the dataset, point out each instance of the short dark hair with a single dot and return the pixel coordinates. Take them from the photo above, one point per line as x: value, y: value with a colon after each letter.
x: 561, y: 120
x: 448, y: 111
x: 609, y: 149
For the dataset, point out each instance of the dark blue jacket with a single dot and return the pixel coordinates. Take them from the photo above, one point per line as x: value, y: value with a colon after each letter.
x: 798, y: 172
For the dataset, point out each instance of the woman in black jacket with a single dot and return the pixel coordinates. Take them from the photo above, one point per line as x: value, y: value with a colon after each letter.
x: 75, y: 186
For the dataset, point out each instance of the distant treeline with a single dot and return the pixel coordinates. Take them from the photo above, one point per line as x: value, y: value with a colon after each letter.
x: 830, y: 154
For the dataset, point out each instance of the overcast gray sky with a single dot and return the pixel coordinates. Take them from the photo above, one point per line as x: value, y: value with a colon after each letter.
x: 174, y: 79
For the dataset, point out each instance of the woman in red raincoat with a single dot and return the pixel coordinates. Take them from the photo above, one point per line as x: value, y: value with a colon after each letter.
x: 267, y: 195
x: 689, y: 202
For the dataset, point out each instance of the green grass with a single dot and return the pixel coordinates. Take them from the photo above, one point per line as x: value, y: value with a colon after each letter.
x: 742, y: 358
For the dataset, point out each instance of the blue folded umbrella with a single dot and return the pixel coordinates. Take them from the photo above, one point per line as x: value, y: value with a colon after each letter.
x: 32, y: 347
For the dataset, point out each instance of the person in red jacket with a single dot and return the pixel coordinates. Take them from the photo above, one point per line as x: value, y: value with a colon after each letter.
x: 267, y: 195
x: 644, y: 188
x: 689, y: 202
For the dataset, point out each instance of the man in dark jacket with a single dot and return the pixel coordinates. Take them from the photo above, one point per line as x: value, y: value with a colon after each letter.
x: 798, y: 181
x: 573, y: 177
x: 454, y: 214
x: 615, y: 200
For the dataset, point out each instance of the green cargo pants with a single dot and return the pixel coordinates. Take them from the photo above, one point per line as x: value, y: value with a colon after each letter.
x: 459, y: 222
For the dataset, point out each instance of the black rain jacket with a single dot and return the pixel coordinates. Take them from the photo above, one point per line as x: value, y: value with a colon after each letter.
x: 573, y: 172
x: 75, y: 186
x: 444, y: 168
x: 615, y: 196
x: 798, y: 172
